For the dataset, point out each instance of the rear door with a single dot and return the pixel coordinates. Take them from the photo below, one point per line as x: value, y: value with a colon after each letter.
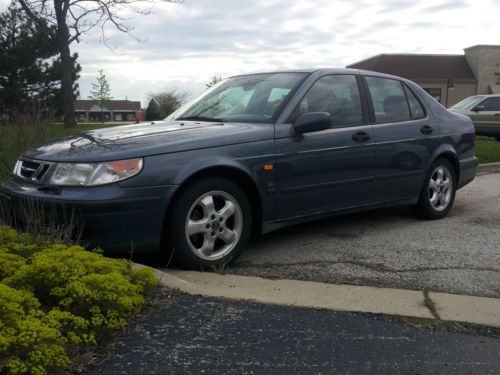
x: 405, y: 137
x: 329, y: 169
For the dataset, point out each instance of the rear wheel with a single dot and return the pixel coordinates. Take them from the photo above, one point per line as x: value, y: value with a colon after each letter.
x: 497, y: 138
x: 438, y: 193
x: 210, y: 223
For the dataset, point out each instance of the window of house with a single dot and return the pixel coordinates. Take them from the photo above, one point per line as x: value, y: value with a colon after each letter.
x: 416, y: 109
x: 434, y: 92
x: 389, y: 100
x: 336, y: 94
x: 491, y: 104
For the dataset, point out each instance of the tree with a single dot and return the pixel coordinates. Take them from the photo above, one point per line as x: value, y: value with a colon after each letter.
x: 216, y: 78
x: 152, y: 111
x: 72, y: 19
x: 101, y: 92
x: 168, y: 101
x: 29, y: 77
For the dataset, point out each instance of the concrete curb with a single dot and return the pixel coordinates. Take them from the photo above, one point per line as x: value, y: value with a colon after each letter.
x: 477, y: 310
x: 488, y: 168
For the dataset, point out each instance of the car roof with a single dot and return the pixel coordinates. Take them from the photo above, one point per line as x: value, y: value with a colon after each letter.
x: 326, y: 71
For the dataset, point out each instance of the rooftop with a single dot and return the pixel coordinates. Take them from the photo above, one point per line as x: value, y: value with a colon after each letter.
x: 419, y: 66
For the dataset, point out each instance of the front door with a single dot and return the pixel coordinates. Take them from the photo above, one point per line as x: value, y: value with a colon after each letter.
x: 330, y: 169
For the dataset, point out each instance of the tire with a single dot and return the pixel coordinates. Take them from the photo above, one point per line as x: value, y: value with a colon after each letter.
x: 210, y: 224
x: 438, y: 192
x: 497, y: 138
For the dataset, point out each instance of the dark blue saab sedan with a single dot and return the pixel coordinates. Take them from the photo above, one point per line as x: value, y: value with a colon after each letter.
x: 254, y: 153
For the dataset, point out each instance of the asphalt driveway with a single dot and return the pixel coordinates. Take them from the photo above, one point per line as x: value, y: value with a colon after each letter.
x: 189, y: 334
x: 458, y: 254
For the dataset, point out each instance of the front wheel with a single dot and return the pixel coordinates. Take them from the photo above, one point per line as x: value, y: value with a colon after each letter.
x: 210, y: 223
x: 438, y: 193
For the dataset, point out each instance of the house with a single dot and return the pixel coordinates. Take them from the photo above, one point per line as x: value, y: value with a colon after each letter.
x: 114, y: 110
x: 448, y: 78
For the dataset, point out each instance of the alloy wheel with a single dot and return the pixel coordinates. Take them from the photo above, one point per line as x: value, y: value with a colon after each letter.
x: 214, y: 225
x: 440, y: 188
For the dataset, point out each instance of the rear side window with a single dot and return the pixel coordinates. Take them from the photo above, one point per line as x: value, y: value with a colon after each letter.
x: 336, y: 94
x: 416, y: 109
x: 389, y: 100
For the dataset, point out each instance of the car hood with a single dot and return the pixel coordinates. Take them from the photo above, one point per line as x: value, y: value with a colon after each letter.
x: 145, y: 139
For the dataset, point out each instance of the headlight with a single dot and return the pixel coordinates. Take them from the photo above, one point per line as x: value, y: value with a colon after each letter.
x: 84, y: 174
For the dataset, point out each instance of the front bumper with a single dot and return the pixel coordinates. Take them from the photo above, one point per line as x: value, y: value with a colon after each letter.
x: 114, y: 218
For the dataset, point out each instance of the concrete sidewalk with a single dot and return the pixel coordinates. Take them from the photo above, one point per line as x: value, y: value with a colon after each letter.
x: 477, y: 310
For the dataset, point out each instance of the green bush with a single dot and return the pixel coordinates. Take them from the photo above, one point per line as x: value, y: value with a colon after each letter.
x: 56, y: 300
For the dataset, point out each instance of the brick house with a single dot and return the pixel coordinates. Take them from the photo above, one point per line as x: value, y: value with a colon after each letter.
x: 113, y: 111
x: 448, y: 78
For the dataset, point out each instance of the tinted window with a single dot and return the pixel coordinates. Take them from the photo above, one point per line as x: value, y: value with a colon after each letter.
x: 389, y: 100
x: 491, y: 104
x: 336, y: 94
x: 249, y: 98
x: 416, y: 109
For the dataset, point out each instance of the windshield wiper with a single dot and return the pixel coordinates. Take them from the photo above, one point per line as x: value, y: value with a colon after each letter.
x: 199, y: 118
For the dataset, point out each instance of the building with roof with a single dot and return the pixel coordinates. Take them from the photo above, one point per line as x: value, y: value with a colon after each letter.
x: 114, y: 110
x: 448, y: 78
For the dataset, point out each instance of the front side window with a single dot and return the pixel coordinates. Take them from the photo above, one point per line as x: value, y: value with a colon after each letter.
x: 250, y: 98
x: 389, y: 100
x: 336, y: 94
x: 491, y: 104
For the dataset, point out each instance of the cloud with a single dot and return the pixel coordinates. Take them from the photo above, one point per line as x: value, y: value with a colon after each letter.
x: 445, y: 6
x: 185, y: 44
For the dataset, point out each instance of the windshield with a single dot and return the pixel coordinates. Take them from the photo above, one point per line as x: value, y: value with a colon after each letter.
x: 249, y: 98
x: 467, y: 103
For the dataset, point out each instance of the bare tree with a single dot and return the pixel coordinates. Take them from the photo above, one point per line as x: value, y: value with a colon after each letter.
x: 168, y: 101
x: 215, y: 79
x: 72, y: 19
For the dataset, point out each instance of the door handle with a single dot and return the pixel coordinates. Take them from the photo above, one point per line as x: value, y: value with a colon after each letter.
x: 497, y: 114
x: 426, y: 129
x: 360, y: 137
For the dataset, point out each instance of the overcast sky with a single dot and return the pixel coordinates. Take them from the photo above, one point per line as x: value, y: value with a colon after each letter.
x: 183, y: 45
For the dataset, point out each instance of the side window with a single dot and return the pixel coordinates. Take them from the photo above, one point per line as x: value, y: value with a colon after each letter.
x: 336, y: 94
x: 389, y: 100
x: 491, y: 104
x: 416, y: 109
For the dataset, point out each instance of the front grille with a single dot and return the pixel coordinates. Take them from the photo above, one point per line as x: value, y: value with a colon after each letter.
x: 31, y: 169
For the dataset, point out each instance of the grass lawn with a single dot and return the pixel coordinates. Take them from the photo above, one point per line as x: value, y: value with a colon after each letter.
x: 487, y: 150
x: 14, y: 139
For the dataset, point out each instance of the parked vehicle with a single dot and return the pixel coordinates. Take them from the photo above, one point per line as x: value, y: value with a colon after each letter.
x: 484, y: 111
x: 254, y: 153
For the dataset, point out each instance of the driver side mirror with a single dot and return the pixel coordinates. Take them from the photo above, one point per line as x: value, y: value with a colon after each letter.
x: 479, y: 108
x: 312, y: 122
